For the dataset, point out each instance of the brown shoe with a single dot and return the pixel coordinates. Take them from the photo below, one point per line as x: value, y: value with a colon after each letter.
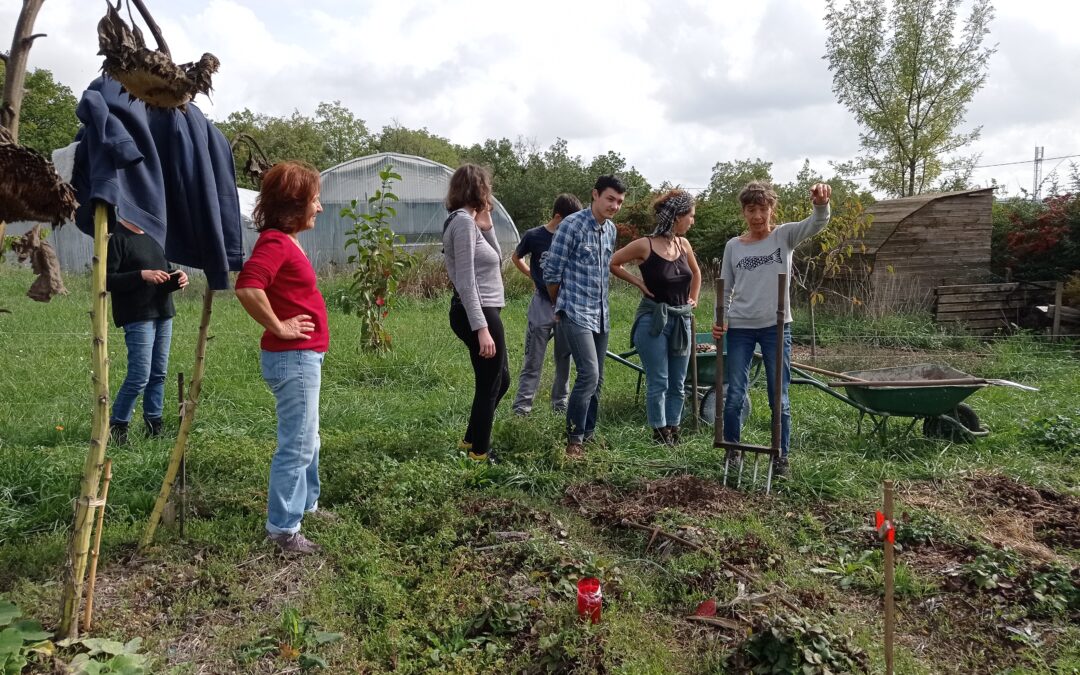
x: 575, y: 450
x: 673, y: 435
x: 660, y: 436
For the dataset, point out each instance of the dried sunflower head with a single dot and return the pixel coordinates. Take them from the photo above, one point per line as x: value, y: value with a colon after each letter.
x: 30, y: 188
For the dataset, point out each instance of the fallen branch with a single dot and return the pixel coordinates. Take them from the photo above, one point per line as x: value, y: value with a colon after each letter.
x: 738, y: 571
x: 730, y: 624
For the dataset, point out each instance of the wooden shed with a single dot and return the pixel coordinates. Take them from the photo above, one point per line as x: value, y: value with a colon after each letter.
x: 915, y: 244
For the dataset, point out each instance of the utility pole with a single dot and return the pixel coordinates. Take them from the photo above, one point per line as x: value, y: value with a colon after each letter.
x: 1036, y: 184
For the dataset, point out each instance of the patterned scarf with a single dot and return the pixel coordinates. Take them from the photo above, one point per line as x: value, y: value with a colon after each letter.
x: 678, y: 205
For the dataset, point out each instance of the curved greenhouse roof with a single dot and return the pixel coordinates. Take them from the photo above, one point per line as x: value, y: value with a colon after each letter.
x: 420, y: 210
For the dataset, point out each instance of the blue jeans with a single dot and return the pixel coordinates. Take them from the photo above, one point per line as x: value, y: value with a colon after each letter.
x: 665, y: 372
x: 587, y: 349
x: 147, y: 363
x: 740, y: 351
x: 294, y: 377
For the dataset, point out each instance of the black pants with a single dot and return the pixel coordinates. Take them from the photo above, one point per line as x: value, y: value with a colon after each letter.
x: 492, y: 374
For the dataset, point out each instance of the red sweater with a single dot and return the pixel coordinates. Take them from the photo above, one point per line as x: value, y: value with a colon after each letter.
x: 284, y: 273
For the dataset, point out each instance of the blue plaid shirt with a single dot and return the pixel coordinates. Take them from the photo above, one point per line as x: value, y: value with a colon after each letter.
x: 578, y: 261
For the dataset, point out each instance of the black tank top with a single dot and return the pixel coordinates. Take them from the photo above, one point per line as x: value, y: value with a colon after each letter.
x: 668, y: 280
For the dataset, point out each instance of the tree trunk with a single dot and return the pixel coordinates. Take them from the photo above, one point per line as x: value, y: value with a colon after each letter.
x: 79, y: 544
x: 15, y: 67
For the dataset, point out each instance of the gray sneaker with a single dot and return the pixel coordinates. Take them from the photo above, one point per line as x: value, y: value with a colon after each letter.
x: 294, y: 543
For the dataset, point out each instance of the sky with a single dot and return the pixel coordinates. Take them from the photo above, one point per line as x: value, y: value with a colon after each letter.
x: 675, y: 86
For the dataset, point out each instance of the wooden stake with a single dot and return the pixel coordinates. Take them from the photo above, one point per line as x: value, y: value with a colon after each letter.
x: 183, y: 460
x: 718, y: 383
x: 88, y: 611
x: 693, y: 373
x: 1059, y: 289
x: 185, y: 422
x: 889, y: 607
x: 79, y: 545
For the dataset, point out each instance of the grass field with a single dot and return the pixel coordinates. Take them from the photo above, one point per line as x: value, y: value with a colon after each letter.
x: 417, y: 575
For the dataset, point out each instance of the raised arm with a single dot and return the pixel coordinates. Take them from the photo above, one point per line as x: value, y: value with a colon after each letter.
x: 795, y: 233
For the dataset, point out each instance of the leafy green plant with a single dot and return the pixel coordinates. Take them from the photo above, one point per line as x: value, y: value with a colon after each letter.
x: 1060, y: 432
x: 789, y: 644
x: 107, y: 656
x: 1055, y: 589
x: 296, y: 639
x: 850, y: 570
x: 380, y: 263
x: 20, y: 639
x: 995, y: 570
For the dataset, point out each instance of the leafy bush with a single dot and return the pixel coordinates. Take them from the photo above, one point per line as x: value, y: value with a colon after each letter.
x: 1060, y: 432
x: 379, y: 264
x: 1038, y: 241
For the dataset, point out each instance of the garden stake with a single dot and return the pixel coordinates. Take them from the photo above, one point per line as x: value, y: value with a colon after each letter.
x: 79, y: 544
x: 183, y: 459
x: 1055, y: 331
x: 185, y: 421
x: 889, y: 607
x: 718, y: 382
x: 88, y: 611
x: 693, y: 374
x: 778, y: 381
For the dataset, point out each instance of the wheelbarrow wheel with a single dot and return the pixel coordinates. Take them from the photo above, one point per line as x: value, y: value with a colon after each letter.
x: 708, y: 406
x: 939, y: 427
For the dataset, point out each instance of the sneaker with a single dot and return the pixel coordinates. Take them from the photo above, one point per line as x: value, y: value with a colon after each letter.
x: 733, y: 459
x: 294, y: 543
x: 484, y: 458
x: 464, y: 445
x: 154, y: 426
x: 522, y: 412
x: 575, y: 450
x: 118, y: 432
x: 780, y: 467
x: 673, y: 435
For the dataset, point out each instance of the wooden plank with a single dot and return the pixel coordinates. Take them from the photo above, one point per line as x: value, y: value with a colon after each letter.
x: 970, y: 315
x: 998, y: 297
x: 978, y: 288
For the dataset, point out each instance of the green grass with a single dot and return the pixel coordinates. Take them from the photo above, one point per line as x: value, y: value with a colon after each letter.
x: 400, y: 576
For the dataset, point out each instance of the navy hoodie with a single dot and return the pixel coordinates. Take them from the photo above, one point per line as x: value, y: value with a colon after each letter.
x: 168, y: 172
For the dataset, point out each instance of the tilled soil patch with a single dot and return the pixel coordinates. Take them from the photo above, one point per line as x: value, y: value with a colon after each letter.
x: 689, y: 494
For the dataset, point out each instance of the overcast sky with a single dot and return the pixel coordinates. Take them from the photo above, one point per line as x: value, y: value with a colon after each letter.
x: 673, y: 85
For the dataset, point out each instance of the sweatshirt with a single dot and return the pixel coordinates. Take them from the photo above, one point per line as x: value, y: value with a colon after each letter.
x: 750, y: 271
x: 134, y: 298
x: 474, y: 262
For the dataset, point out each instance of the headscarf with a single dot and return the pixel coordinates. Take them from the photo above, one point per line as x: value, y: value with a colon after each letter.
x: 678, y: 204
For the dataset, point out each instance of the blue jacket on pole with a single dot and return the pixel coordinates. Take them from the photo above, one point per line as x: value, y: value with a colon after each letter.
x: 169, y: 172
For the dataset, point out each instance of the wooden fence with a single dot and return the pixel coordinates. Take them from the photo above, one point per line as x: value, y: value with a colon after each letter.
x: 984, y: 308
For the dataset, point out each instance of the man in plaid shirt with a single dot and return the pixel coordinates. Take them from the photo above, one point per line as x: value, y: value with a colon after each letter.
x: 576, y: 273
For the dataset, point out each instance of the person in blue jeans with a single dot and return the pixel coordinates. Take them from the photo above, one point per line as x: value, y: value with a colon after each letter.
x: 278, y: 289
x: 670, y: 283
x: 540, y: 328
x: 750, y: 269
x: 577, y: 277
x: 141, y: 282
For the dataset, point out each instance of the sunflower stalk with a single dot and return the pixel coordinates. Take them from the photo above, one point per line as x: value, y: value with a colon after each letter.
x: 186, y: 421
x: 79, y: 545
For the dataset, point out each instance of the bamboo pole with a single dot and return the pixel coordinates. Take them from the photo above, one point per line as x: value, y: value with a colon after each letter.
x: 79, y: 544
x: 1055, y: 331
x: 185, y: 422
x: 889, y: 605
x: 88, y: 611
x: 693, y: 374
x: 183, y: 459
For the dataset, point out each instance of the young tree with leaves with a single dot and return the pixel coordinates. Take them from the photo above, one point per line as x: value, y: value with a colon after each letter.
x: 907, y: 76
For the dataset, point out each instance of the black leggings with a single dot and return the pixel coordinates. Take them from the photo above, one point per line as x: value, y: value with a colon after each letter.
x: 492, y: 374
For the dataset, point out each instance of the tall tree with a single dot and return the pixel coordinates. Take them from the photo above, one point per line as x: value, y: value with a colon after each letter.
x: 907, y: 72
x: 47, y: 119
x: 345, y: 136
x: 419, y: 142
x: 11, y: 94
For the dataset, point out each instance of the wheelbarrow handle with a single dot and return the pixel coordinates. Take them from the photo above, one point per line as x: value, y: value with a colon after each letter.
x: 911, y: 383
x: 822, y: 371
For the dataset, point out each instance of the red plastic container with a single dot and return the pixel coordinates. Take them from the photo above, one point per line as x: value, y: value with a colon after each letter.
x: 589, y: 599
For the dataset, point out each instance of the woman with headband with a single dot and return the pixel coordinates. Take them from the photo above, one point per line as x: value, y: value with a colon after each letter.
x: 751, y: 265
x: 670, y: 282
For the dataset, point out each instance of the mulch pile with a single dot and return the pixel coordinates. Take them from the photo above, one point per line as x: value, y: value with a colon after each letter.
x: 641, y: 502
x: 1055, y: 517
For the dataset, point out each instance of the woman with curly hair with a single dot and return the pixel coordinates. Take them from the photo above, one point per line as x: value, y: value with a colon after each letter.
x: 670, y: 282
x: 277, y: 287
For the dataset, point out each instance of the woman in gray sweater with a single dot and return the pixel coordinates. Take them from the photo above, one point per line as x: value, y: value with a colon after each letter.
x: 750, y: 269
x: 473, y: 261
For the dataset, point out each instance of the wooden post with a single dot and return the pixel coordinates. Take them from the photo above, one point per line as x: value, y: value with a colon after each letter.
x: 1059, y: 289
x: 889, y: 608
x: 718, y: 383
x: 778, y: 377
x: 79, y: 545
x: 183, y: 459
x: 185, y: 422
x: 88, y: 611
x: 693, y: 374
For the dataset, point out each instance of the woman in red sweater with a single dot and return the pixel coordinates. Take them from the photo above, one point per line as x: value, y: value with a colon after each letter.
x: 278, y: 289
